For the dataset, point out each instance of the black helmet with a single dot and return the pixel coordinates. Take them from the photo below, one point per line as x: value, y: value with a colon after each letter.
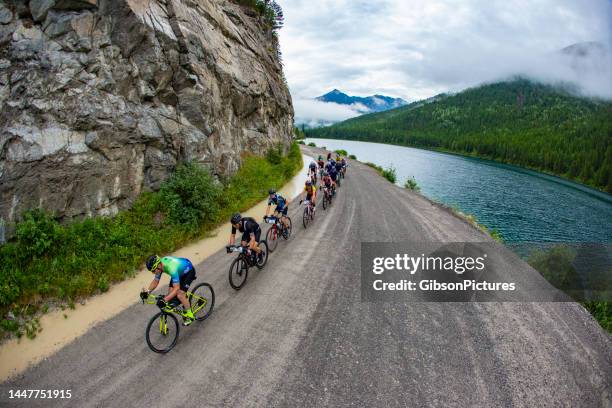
x: 236, y: 218
x: 271, y: 191
x: 153, y: 262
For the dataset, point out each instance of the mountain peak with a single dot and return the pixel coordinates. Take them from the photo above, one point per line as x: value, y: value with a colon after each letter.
x: 375, y: 103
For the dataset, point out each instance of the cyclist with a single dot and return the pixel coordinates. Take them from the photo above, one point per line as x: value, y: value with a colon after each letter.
x: 330, y: 165
x: 312, y: 171
x: 338, y: 164
x: 282, y: 206
x: 251, y: 233
x: 327, y: 182
x: 333, y: 174
x: 320, y: 162
x: 182, y: 274
x: 310, y: 193
x: 344, y: 166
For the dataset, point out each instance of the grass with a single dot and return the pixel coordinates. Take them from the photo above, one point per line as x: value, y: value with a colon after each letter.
x: 52, y: 263
x: 389, y: 173
x: 556, y: 265
x: 411, y: 184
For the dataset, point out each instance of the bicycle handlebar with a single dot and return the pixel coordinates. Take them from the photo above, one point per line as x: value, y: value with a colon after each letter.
x: 234, y: 248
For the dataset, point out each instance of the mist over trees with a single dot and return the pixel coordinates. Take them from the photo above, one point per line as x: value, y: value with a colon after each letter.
x: 518, y: 122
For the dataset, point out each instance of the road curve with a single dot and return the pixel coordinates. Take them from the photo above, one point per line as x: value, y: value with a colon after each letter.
x: 298, y: 334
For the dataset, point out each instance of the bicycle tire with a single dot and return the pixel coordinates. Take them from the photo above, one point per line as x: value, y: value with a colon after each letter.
x: 325, y: 202
x: 240, y: 264
x: 210, y: 299
x: 272, y: 238
x: 289, y: 228
x: 148, y: 337
x: 264, y: 246
x: 305, y: 218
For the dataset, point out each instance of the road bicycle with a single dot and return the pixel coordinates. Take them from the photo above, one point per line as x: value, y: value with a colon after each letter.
x: 239, y: 269
x: 327, y: 197
x: 163, y: 329
x: 276, y: 231
x: 309, y: 213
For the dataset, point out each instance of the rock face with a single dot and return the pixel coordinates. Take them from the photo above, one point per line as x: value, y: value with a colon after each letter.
x: 100, y: 99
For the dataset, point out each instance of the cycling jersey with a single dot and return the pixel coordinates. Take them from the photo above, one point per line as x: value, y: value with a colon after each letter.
x: 327, y: 181
x: 321, y: 163
x: 278, y: 200
x: 175, y: 267
x: 281, y: 204
x: 309, y: 191
x: 338, y: 166
x: 333, y: 174
x: 312, y: 166
x: 248, y: 226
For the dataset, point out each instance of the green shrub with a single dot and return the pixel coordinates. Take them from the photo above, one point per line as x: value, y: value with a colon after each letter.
x: 411, y: 184
x: 311, y: 144
x: 556, y: 265
x: 375, y: 167
x: 353, y: 157
x: 190, y: 197
x: 275, y: 154
x: 38, y: 232
x: 602, y: 312
x: 390, y: 174
x: 301, y: 142
x: 341, y: 152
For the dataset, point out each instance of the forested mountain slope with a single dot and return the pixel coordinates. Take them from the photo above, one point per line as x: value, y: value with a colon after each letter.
x: 519, y: 122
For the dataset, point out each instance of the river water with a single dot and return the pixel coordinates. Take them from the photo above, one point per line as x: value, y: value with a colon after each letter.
x: 523, y: 205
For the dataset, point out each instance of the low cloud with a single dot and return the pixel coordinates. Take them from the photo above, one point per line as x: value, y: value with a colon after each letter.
x: 313, y: 113
x: 421, y: 48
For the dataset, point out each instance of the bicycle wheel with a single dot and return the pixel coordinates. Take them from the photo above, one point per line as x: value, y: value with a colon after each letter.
x: 162, y: 332
x: 202, y: 301
x: 324, y: 201
x: 264, y: 259
x: 288, y: 229
x: 305, y: 217
x: 238, y: 272
x: 272, y: 237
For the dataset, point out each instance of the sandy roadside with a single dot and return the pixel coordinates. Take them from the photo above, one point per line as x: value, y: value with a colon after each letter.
x: 62, y: 327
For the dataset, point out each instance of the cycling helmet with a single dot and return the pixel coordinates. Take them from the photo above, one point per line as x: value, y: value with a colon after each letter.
x: 271, y: 191
x: 320, y: 157
x: 153, y: 262
x: 308, y: 182
x: 236, y: 218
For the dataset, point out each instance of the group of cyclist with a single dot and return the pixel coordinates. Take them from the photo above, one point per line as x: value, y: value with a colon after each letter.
x: 182, y: 271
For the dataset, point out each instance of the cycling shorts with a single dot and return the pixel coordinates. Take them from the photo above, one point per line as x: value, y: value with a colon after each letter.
x: 186, y: 280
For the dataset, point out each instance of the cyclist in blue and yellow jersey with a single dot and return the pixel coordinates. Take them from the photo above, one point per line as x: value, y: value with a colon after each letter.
x: 281, y: 209
x: 182, y: 274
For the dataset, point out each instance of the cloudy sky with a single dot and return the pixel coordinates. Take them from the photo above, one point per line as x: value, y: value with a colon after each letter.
x: 415, y: 49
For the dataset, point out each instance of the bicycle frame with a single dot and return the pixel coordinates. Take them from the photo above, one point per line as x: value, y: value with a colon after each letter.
x: 152, y: 300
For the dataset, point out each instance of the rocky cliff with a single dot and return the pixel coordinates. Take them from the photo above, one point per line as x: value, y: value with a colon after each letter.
x: 100, y: 99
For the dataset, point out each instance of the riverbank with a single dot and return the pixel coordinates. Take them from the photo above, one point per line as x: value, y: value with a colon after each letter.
x: 562, y: 178
x: 555, y: 268
x: 60, y: 327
